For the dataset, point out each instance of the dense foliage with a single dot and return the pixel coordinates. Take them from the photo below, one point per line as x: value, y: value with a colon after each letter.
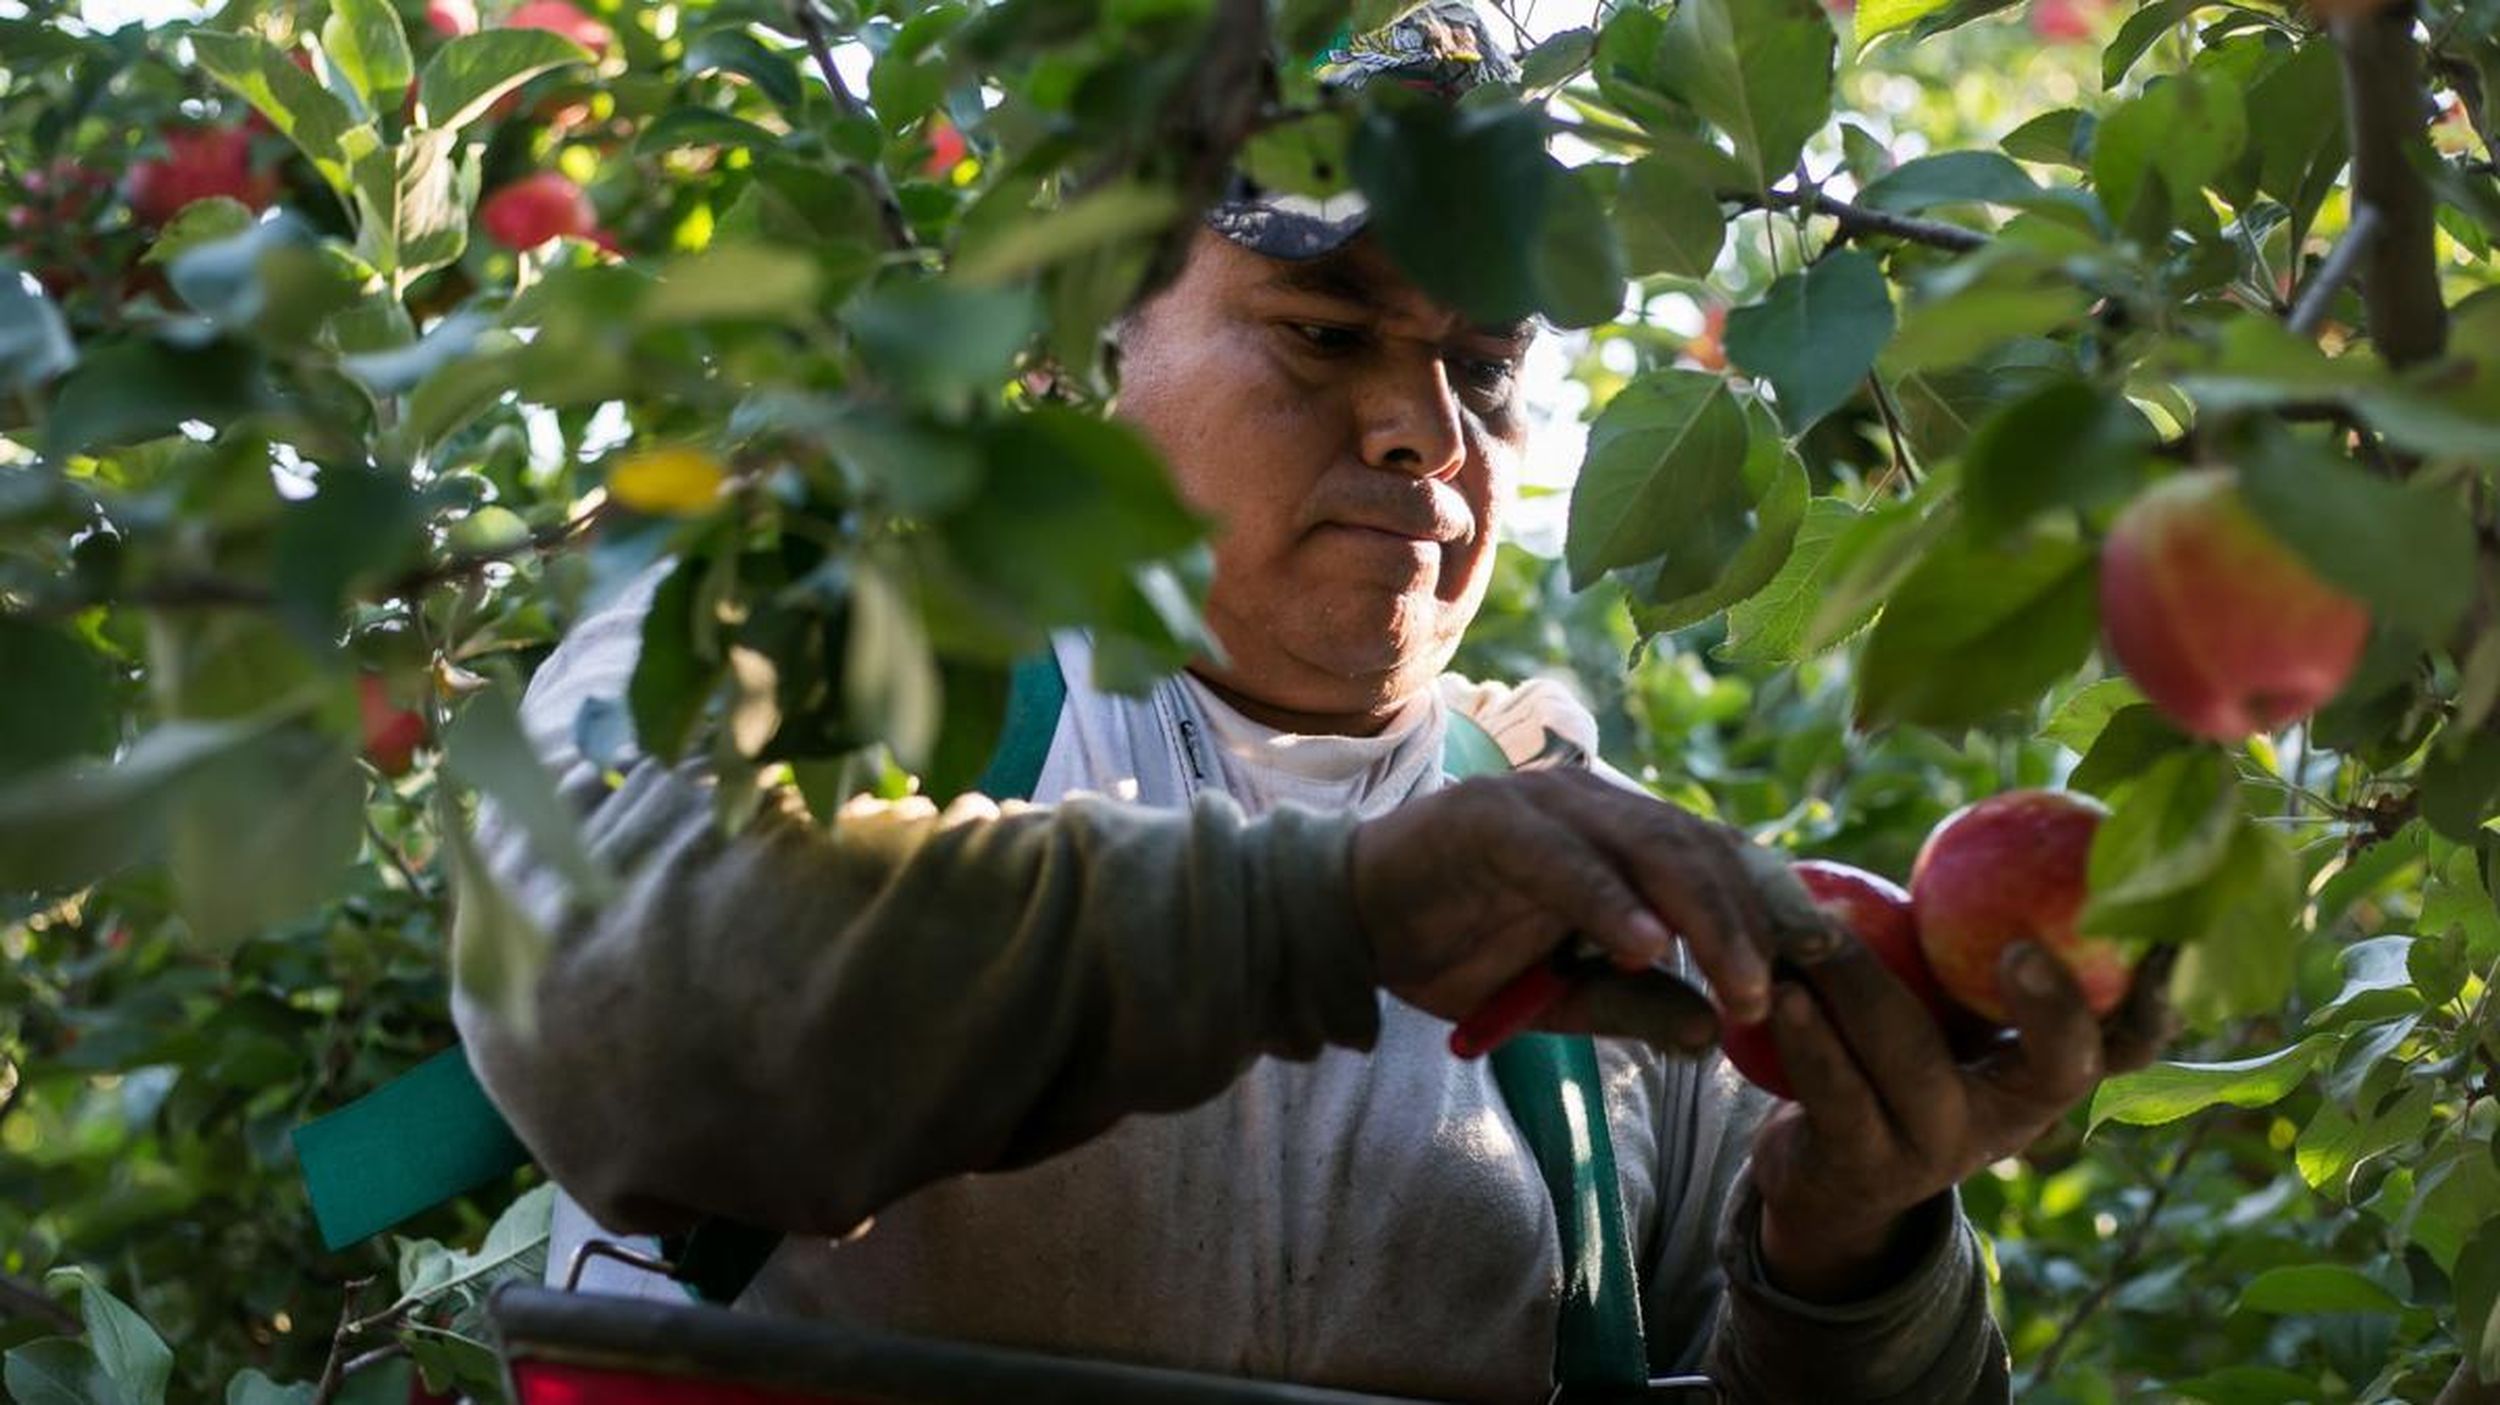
x: 347, y: 352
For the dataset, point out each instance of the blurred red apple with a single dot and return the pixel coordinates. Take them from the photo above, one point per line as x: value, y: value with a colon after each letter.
x: 560, y: 17
x: 1709, y: 350
x: 947, y: 148
x: 392, y: 733
x: 200, y: 162
x: 535, y: 209
x: 2225, y: 630
x: 2012, y: 868
x: 451, y: 18
x: 1878, y: 913
x: 2060, y: 21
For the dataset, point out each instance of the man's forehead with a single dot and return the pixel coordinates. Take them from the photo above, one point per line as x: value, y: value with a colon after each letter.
x: 1361, y: 273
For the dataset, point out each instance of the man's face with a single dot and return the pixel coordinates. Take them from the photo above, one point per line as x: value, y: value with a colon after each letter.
x: 1354, y: 441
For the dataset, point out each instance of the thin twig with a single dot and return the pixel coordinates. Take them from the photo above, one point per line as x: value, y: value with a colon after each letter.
x: 2319, y: 296
x: 2139, y: 1235
x: 22, y: 1299
x: 334, y: 1370
x: 398, y: 861
x: 820, y: 48
x: 1857, y: 219
x: 1891, y: 415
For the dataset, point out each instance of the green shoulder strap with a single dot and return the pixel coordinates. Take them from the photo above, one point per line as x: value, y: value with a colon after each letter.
x: 431, y: 1135
x: 1550, y: 1083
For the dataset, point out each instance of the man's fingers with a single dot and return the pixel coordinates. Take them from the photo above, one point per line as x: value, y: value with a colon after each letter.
x: 2143, y: 1023
x: 1651, y: 1006
x: 1829, y: 1087
x: 1687, y: 869
x: 1578, y: 882
x: 2056, y: 1057
x: 1894, y: 1040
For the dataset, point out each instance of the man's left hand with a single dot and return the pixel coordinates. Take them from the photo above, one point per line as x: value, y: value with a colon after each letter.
x: 1886, y: 1118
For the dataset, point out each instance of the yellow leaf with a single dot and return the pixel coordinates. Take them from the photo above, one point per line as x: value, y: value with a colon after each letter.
x: 671, y: 482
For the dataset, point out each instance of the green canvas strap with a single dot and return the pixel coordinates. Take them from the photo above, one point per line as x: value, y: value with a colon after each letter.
x: 1550, y: 1083
x: 408, y: 1146
x: 1036, y: 694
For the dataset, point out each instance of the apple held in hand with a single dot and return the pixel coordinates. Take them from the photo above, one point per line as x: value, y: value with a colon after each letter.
x: 1878, y: 913
x: 2012, y: 868
x: 2224, y: 629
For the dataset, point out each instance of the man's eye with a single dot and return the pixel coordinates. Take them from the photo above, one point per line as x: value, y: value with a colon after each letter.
x: 1490, y: 376
x: 1322, y: 337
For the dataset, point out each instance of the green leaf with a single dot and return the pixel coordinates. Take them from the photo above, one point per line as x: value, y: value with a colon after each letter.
x: 361, y: 526
x: 413, y: 202
x: 56, y: 698
x: 889, y: 677
x: 1779, y: 477
x: 2238, y: 932
x: 701, y: 126
x: 293, y: 101
x: 265, y: 835
x: 68, y: 825
x: 1974, y: 631
x: 1868, y: 562
x: 485, y: 749
x: 1423, y: 167
x: 35, y: 344
x: 2459, y: 785
x: 1561, y: 55
x: 2333, y: 1148
x: 2068, y: 446
x: 2135, y: 737
x: 2378, y: 983
x: 672, y: 679
x: 2302, y: 1288
x: 2477, y: 1280
x: 2405, y: 550
x: 2059, y: 138
x: 2176, y: 138
x: 1663, y: 478
x: 903, y: 86
x: 1815, y: 336
x: 2296, y: 125
x: 250, y: 1387
x: 1306, y: 156
x: 124, y: 392
x: 733, y: 50
x: 2249, y: 1385
x: 368, y: 43
x: 1952, y: 178
x: 2169, y: 831
x: 468, y: 73
x: 2142, y: 30
x: 734, y: 282
x: 1759, y: 70
x: 1770, y: 627
x: 1669, y: 222
x: 58, y: 1371
x: 129, y: 1350
x: 1577, y: 266
x: 2079, y: 721
x: 943, y: 340
x: 2166, y: 1092
x: 1877, y: 18
x: 1946, y: 332
x: 1105, y: 216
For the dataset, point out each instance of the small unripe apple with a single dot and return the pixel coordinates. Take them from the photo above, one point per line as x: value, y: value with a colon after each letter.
x: 199, y: 163
x: 2012, y: 868
x: 2222, y: 627
x: 1879, y: 914
x: 560, y: 17
x: 535, y: 209
x: 392, y: 733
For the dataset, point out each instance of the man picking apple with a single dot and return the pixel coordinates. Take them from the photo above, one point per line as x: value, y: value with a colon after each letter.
x: 1164, y: 1076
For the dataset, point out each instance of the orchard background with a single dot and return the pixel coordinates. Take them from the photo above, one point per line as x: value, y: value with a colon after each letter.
x: 347, y: 353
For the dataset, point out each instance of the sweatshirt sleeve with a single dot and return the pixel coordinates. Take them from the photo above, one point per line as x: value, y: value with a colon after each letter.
x: 1928, y: 1339
x: 795, y: 1025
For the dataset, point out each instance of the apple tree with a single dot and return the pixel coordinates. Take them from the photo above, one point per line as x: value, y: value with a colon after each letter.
x: 1981, y: 396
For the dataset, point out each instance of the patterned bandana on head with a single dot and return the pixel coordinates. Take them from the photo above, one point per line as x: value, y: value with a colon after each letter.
x: 1442, y: 47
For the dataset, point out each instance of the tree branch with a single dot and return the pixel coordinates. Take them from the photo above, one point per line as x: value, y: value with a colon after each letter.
x: 2464, y: 1389
x: 872, y: 174
x: 2139, y: 1235
x: 1857, y: 219
x: 334, y: 1371
x: 20, y: 1299
x: 2386, y: 103
x: 2319, y: 296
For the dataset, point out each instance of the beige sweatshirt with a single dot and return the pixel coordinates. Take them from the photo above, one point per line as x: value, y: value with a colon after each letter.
x: 1202, y: 1137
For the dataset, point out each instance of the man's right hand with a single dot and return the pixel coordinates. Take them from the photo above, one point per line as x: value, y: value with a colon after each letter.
x: 1466, y: 888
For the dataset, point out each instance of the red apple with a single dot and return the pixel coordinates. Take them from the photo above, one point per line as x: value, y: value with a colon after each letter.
x: 560, y: 17
x: 1709, y: 350
x: 2225, y: 630
x: 1874, y: 909
x: 2012, y: 868
x: 947, y: 149
x: 200, y: 162
x: 451, y: 18
x: 392, y: 733
x: 2060, y: 21
x: 535, y: 209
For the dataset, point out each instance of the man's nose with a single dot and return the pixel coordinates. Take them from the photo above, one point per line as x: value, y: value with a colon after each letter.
x: 1410, y: 420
